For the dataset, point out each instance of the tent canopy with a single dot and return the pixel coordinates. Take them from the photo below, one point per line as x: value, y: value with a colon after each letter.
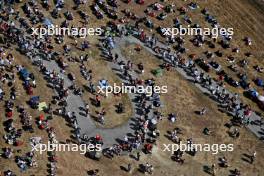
x: 254, y: 93
x: 42, y: 106
x: 34, y: 99
x: 24, y: 73
x: 157, y: 72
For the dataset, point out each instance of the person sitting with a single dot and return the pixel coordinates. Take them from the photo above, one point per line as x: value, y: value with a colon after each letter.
x: 141, y: 2
x: 236, y: 50
x: 8, y: 152
x: 259, y: 69
x: 9, y: 173
x: 93, y: 172
x: 141, y: 68
x: 235, y: 133
x: 203, y: 111
x: 206, y: 131
x: 177, y: 156
x: 148, y: 148
x: 120, y: 108
x: 69, y: 15
x: 172, y: 117
x: 236, y: 172
x: 223, y: 162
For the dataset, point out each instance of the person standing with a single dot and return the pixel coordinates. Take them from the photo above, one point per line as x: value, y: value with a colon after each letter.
x: 87, y: 109
x: 129, y: 167
x: 98, y: 101
x: 213, y: 170
x: 203, y: 111
x: 138, y: 156
x: 252, y: 157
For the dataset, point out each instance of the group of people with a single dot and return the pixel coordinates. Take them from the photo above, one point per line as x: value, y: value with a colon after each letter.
x: 230, y: 102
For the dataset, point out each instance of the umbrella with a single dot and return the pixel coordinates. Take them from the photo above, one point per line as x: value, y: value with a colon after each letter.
x: 34, y: 100
x: 254, y: 93
x: 24, y: 73
x: 261, y: 98
x: 154, y: 121
x: 157, y: 72
x: 42, y: 106
x: 259, y: 82
x: 103, y: 83
x: 94, y: 155
x: 47, y: 22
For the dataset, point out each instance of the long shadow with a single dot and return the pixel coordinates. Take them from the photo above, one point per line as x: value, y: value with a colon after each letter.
x: 123, y: 168
x: 245, y: 157
x: 207, y: 169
